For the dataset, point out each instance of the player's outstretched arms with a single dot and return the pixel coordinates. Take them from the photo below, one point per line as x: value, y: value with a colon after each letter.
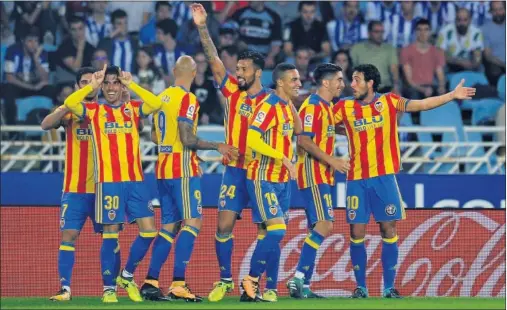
x: 74, y: 101
x: 460, y: 93
x: 54, y: 119
x: 190, y: 140
x: 340, y: 164
x: 151, y: 103
x: 217, y: 66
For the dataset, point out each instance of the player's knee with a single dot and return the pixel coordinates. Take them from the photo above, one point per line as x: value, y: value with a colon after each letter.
x: 226, y: 221
x: 70, y: 235
x: 173, y: 228
x: 195, y: 222
x: 114, y: 228
x: 146, y: 223
x: 324, y: 228
x: 388, y: 230
x: 357, y: 231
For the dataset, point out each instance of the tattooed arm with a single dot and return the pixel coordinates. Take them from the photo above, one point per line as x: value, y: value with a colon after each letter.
x: 217, y: 66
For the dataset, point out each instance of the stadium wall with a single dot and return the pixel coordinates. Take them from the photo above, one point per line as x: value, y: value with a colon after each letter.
x: 452, y: 243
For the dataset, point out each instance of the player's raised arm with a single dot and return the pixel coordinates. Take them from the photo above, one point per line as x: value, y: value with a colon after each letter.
x: 54, y: 119
x: 151, y: 103
x: 459, y: 93
x: 199, y: 14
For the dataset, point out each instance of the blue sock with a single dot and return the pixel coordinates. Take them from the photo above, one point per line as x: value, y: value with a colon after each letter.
x: 159, y: 254
x: 66, y: 257
x: 389, y: 258
x: 272, y: 266
x: 183, y: 251
x: 358, y: 257
x: 108, y: 258
x: 273, y: 237
x: 257, y: 252
x: 139, y: 249
x: 223, y: 247
x: 308, y: 254
x: 309, y: 274
x: 117, y: 260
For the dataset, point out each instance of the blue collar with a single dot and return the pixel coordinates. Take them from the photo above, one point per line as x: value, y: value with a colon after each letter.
x: 321, y: 99
x: 377, y: 95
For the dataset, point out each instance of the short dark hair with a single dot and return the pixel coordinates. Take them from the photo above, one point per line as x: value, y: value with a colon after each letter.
x: 370, y: 73
x: 302, y: 3
x: 32, y: 32
x: 74, y: 19
x: 324, y: 72
x: 374, y: 23
x: 256, y: 57
x: 114, y: 70
x: 117, y: 14
x: 168, y: 26
x: 422, y: 21
x: 231, y: 50
x: 280, y: 70
x: 161, y: 3
x: 83, y: 71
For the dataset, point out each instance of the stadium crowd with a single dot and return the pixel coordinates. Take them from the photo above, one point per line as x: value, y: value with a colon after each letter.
x: 416, y: 45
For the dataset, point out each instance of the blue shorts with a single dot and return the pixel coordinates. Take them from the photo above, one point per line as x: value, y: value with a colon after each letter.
x: 379, y: 195
x: 233, y: 192
x: 269, y: 200
x: 117, y: 200
x: 318, y: 203
x: 180, y: 199
x: 75, y: 209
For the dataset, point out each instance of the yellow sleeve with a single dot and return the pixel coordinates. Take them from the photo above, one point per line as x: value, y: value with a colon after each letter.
x: 254, y: 141
x: 151, y: 103
x: 75, y: 101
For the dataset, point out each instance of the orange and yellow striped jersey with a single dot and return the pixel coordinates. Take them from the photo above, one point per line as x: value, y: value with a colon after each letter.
x: 115, y: 133
x: 372, y: 133
x: 274, y: 120
x: 78, y: 173
x: 318, y: 123
x: 238, y: 112
x: 174, y: 159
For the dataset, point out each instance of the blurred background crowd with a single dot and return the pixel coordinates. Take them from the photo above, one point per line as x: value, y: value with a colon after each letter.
x: 421, y: 48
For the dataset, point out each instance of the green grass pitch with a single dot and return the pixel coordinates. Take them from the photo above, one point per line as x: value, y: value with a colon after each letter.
x: 283, y: 303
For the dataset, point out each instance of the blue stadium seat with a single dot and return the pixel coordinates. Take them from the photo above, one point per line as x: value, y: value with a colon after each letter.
x: 471, y: 79
x: 25, y: 105
x: 448, y: 115
x: 267, y: 78
x: 500, y: 86
x: 50, y: 48
x: 485, y: 110
x: 3, y: 49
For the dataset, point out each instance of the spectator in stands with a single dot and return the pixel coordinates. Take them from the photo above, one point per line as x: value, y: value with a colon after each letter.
x: 188, y: 36
x: 146, y: 74
x: 74, y: 52
x: 462, y: 43
x: 229, y: 35
x: 229, y: 56
x: 181, y: 13
x: 439, y: 14
x: 479, y: 11
x: 6, y: 35
x: 288, y: 10
x: 342, y: 59
x: 307, y: 31
x: 121, y: 47
x: 138, y: 13
x: 148, y: 33
x: 63, y: 91
x: 421, y: 62
x: 261, y: 29
x: 225, y: 9
x: 302, y: 63
x: 402, y: 26
x: 382, y: 55
x: 381, y: 10
x: 167, y: 51
x: 98, y: 24
x: 349, y: 30
x: 206, y: 93
x: 26, y: 73
x: 100, y: 59
x: 26, y: 14
x: 494, y: 42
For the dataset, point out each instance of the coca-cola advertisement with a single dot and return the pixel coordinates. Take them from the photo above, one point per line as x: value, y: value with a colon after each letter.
x: 442, y: 253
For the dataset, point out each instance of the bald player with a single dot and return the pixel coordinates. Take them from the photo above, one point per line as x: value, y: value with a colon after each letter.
x: 177, y: 172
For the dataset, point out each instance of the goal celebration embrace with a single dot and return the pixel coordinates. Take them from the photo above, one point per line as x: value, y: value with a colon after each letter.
x: 306, y: 182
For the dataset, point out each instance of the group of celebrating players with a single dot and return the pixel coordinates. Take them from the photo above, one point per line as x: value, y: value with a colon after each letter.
x: 104, y: 177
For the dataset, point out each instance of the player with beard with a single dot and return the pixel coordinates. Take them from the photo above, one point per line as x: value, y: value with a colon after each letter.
x: 243, y: 93
x: 372, y: 134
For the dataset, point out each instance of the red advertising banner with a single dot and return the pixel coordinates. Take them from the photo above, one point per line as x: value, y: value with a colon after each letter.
x: 442, y: 253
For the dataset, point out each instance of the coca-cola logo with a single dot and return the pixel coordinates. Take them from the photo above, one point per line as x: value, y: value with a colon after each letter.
x: 458, y: 253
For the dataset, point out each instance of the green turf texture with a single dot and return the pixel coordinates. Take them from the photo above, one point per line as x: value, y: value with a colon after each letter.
x: 283, y: 303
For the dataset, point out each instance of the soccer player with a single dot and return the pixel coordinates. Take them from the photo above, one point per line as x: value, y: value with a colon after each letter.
x: 242, y: 93
x: 315, y: 168
x: 269, y: 172
x: 371, y: 126
x: 120, y: 188
x: 179, y: 184
x: 78, y: 199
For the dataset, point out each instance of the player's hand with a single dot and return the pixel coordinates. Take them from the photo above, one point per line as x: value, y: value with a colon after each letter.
x: 288, y: 164
x: 98, y: 78
x: 199, y: 14
x: 125, y: 78
x: 463, y: 93
x: 229, y: 152
x: 340, y: 164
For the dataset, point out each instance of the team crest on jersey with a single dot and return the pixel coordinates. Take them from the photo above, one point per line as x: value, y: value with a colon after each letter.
x: 330, y: 212
x: 190, y: 111
x: 222, y: 203
x: 150, y: 206
x: 273, y: 210
x: 245, y: 110
x: 199, y: 209
x: 128, y: 112
x: 62, y: 222
x: 111, y: 214
x: 379, y: 106
x: 260, y: 117
x: 352, y: 214
x: 308, y: 120
x: 391, y: 210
